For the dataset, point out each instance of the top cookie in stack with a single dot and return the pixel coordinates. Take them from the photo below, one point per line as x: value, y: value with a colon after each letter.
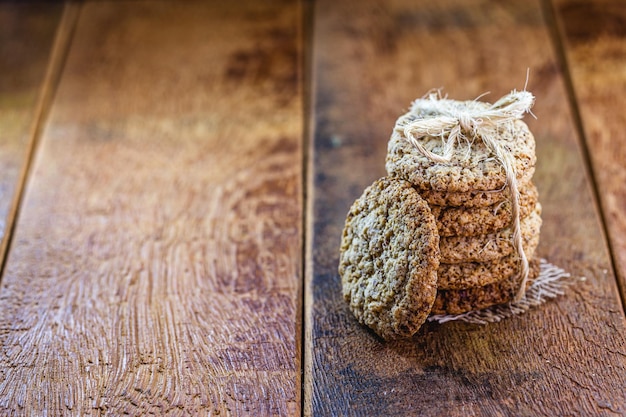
x: 471, y: 198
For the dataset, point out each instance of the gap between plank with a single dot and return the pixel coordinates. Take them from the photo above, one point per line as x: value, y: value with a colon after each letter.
x: 306, y: 38
x: 56, y: 62
x: 557, y: 35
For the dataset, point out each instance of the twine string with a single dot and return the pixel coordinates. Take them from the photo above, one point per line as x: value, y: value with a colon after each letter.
x: 453, y: 123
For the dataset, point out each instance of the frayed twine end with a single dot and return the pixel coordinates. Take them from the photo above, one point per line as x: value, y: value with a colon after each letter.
x: 550, y: 284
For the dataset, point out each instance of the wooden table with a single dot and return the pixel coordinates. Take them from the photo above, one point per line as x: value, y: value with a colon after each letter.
x: 175, y: 177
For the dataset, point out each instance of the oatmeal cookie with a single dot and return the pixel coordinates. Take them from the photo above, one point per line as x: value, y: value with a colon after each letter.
x: 461, y: 221
x: 389, y: 258
x: 489, y: 247
x: 478, y: 298
x: 473, y: 166
x: 477, y: 274
x: 468, y: 199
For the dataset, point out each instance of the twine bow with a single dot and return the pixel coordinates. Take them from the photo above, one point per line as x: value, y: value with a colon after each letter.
x: 453, y: 122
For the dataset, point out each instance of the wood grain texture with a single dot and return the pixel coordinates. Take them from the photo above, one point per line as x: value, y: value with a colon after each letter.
x: 155, y: 267
x: 26, y: 37
x: 372, y: 58
x: 594, y: 35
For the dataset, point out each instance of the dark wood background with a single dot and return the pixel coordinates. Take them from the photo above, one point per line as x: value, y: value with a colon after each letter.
x: 175, y: 177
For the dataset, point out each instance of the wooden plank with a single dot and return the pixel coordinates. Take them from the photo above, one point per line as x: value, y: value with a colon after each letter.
x: 594, y: 35
x: 156, y: 264
x: 568, y: 357
x: 26, y: 35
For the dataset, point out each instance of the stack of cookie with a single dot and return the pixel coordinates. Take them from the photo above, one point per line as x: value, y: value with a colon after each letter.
x: 470, y: 213
x: 469, y: 199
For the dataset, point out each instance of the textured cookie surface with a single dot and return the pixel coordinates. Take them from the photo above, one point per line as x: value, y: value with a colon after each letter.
x: 478, y: 298
x: 489, y: 247
x: 468, y: 199
x: 472, y: 168
x: 389, y: 258
x: 477, y: 274
x: 461, y: 221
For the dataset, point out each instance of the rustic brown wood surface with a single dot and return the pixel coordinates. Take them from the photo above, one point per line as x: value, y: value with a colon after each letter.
x: 594, y: 36
x: 157, y: 255
x: 156, y: 263
x: 26, y: 35
x: 371, y: 58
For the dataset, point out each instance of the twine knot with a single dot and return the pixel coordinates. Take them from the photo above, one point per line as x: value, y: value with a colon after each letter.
x: 454, y: 121
x: 466, y: 122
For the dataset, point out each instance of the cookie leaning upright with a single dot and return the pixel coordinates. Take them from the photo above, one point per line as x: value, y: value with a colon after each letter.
x: 389, y: 258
